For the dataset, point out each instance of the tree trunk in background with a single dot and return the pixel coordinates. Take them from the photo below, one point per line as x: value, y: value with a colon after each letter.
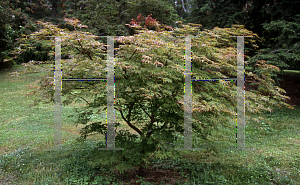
x: 54, y: 9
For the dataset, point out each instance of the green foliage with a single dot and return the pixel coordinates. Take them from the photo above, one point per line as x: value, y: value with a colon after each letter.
x: 22, y: 16
x: 161, y: 10
x: 149, y: 78
x: 282, y: 42
x: 276, y: 22
x: 209, y: 13
x: 285, y: 41
x: 5, y: 32
x: 110, y: 17
x: 103, y: 17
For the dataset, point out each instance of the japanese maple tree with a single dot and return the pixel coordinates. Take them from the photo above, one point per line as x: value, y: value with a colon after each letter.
x: 149, y: 82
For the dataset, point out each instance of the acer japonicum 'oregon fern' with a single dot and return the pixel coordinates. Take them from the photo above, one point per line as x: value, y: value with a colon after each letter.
x: 149, y: 82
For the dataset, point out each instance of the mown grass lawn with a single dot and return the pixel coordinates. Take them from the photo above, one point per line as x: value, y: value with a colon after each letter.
x: 272, y: 155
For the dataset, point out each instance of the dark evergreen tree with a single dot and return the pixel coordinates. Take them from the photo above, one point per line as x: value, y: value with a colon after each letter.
x: 276, y: 22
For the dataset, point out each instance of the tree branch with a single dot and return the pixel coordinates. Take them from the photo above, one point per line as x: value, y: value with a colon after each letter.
x: 278, y: 50
x: 149, y: 133
x: 133, y: 53
x: 197, y: 87
x: 144, y: 110
x: 128, y: 120
x: 83, y: 51
x: 81, y: 97
x: 151, y: 121
x: 183, y: 6
x: 16, y: 55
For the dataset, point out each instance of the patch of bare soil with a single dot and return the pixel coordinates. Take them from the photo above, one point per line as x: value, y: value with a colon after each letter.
x: 154, y: 175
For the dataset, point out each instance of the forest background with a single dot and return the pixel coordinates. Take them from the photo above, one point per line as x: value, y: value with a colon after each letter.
x: 275, y: 22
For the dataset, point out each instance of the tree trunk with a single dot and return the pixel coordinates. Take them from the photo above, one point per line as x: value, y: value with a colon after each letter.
x: 54, y: 9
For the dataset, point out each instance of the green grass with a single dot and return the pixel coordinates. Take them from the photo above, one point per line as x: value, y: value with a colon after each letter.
x: 25, y: 131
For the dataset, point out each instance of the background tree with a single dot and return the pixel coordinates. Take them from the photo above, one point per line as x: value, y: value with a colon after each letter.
x: 23, y: 20
x: 149, y: 78
x: 102, y: 18
x: 110, y: 17
x: 276, y: 22
x: 183, y: 7
x: 5, y: 42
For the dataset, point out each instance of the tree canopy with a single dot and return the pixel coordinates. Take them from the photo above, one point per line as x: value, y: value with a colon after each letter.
x: 102, y: 18
x: 275, y: 22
